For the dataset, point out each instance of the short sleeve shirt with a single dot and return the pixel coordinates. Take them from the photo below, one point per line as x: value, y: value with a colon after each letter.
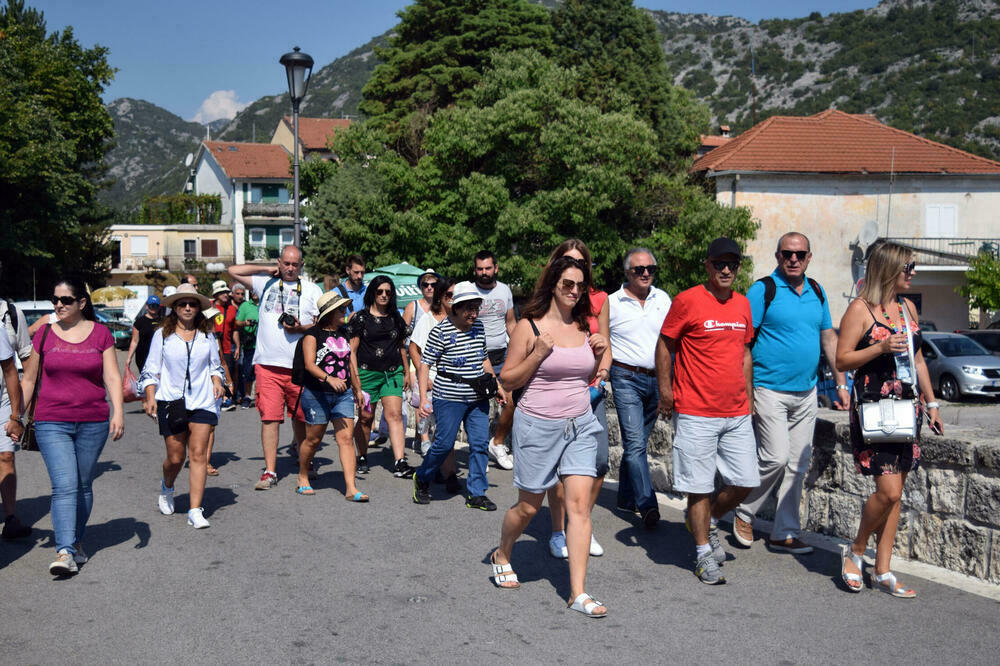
x: 333, y: 356
x: 248, y: 334
x: 710, y: 340
x: 275, y: 345
x: 493, y: 314
x: 225, y: 324
x: 6, y: 352
x: 146, y: 327
x: 379, y: 340
x: 73, y: 377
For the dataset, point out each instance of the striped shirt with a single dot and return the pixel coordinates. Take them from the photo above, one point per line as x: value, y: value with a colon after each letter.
x: 456, y: 352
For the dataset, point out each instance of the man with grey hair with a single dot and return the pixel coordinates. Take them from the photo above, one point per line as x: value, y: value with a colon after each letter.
x: 636, y: 313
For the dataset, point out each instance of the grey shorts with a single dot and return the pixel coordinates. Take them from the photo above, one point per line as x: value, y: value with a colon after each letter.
x: 6, y: 443
x: 546, y: 449
x: 703, y: 445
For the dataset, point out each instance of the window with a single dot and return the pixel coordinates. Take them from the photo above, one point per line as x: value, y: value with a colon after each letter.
x: 269, y: 193
x: 286, y: 237
x: 210, y: 248
x: 116, y: 253
x: 139, y: 246
x: 258, y: 237
x: 255, y: 194
x: 942, y: 221
x: 190, y: 248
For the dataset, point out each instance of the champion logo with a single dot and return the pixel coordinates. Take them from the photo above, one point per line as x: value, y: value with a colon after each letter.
x: 714, y: 325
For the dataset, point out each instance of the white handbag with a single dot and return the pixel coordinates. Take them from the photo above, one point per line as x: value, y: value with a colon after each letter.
x: 891, y: 420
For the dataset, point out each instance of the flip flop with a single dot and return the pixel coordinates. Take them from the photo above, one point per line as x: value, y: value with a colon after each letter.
x: 211, y: 471
x: 305, y: 490
x: 357, y: 497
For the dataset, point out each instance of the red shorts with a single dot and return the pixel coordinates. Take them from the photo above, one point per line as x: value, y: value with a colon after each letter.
x: 276, y: 392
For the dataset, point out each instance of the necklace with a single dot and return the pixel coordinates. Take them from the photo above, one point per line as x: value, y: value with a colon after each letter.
x: 893, y: 326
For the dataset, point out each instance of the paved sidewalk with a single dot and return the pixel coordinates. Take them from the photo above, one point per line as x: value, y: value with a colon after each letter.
x: 284, y: 578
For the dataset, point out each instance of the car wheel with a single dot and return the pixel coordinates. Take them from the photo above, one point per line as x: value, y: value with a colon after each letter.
x: 949, y: 388
x: 824, y: 401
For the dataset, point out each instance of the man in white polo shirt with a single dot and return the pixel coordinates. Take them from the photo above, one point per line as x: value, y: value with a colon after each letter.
x: 636, y: 311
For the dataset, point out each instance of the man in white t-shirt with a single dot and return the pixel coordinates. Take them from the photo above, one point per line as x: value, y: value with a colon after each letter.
x: 10, y: 421
x: 497, y: 315
x: 287, y: 309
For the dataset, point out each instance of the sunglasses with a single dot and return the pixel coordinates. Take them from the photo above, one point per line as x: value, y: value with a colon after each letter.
x: 185, y: 304
x: 798, y: 254
x: 450, y: 295
x: 383, y: 292
x: 641, y: 270
x: 722, y: 265
x: 427, y: 285
x: 570, y: 285
x: 65, y: 300
x: 910, y: 267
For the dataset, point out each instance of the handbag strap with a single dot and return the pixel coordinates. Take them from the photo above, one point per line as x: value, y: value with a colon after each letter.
x: 38, y: 376
x: 909, y: 341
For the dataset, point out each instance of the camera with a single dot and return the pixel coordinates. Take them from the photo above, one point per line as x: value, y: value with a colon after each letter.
x: 287, y: 320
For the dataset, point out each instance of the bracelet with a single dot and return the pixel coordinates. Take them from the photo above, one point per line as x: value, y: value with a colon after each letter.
x: 933, y: 405
x: 843, y: 387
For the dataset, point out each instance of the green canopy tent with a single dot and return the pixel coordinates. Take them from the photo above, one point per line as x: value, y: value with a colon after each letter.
x: 404, y: 276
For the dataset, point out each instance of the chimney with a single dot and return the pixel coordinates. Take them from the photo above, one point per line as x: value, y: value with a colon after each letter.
x: 724, y: 130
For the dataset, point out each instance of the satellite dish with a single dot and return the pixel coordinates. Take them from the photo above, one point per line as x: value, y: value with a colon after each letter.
x: 188, y: 160
x: 869, y: 233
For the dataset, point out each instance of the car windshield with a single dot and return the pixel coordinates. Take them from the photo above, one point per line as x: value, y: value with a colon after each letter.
x: 989, y: 340
x: 959, y: 346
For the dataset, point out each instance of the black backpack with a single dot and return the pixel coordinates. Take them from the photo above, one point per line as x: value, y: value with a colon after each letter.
x: 299, y: 372
x: 11, y: 314
x: 771, y: 290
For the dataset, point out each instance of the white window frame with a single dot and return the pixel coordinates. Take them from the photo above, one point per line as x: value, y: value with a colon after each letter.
x: 934, y: 220
x: 135, y: 251
x: 184, y: 247
x: 284, y: 240
x: 251, y: 231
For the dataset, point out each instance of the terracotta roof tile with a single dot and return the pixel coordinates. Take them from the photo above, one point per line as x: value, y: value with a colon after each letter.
x: 714, y: 140
x: 314, y: 132
x: 838, y: 142
x: 250, y: 160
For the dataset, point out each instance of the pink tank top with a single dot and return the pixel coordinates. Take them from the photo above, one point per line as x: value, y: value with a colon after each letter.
x: 558, y: 389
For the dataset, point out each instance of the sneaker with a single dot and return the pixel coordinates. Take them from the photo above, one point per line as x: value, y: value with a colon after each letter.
x: 452, y: 485
x: 650, y: 518
x: 481, y: 502
x: 267, y: 481
x: 380, y: 440
x: 401, y: 470
x: 363, y: 465
x: 166, y: 500
x: 228, y: 405
x: 14, y: 529
x: 707, y: 570
x: 557, y: 545
x: 421, y: 491
x: 596, y: 549
x: 718, y: 552
x: 498, y: 452
x: 80, y: 557
x: 742, y: 532
x: 790, y: 545
x: 245, y: 404
x: 64, y: 564
x: 196, y: 518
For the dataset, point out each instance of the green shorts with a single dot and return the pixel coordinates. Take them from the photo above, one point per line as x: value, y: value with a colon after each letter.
x: 379, y: 384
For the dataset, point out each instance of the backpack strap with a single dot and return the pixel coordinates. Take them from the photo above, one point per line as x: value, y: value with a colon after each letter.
x: 343, y: 292
x: 770, y: 290
x: 11, y: 314
x: 819, y: 292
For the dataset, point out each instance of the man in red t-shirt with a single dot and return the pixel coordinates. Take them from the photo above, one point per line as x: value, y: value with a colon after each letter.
x: 709, y: 392
x: 225, y: 330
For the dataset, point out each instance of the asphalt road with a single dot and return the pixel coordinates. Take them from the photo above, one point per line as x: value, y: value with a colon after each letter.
x: 284, y: 578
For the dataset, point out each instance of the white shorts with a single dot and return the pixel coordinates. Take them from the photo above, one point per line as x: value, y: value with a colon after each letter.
x: 703, y: 445
x: 6, y: 443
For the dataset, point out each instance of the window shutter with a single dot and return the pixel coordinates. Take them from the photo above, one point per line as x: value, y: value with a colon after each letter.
x: 209, y: 248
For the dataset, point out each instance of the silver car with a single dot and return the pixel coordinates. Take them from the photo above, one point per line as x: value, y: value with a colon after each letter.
x: 960, y: 366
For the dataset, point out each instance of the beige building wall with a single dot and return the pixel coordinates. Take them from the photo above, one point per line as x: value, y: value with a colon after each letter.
x: 283, y: 137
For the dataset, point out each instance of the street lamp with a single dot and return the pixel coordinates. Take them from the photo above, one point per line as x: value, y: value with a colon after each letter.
x: 298, y: 67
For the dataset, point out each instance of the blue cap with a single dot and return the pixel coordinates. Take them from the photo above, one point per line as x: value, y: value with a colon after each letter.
x: 153, y: 300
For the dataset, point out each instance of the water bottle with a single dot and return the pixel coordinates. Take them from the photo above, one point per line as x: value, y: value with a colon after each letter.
x: 597, y: 392
x: 424, y: 424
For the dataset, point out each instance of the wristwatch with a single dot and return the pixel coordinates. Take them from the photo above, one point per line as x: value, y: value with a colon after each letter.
x: 933, y: 405
x: 843, y: 387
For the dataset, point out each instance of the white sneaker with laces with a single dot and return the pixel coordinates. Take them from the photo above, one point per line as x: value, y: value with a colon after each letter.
x: 557, y: 545
x: 166, y: 500
x: 80, y: 556
x: 596, y: 549
x: 499, y: 453
x: 63, y: 564
x: 196, y: 518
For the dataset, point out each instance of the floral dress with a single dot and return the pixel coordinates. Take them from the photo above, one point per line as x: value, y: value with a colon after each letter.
x: 872, y: 382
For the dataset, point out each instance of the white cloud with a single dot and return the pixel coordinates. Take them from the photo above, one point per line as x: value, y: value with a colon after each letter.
x: 220, y: 104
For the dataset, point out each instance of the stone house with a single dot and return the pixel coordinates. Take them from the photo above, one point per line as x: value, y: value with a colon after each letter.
x: 137, y: 248
x: 833, y: 174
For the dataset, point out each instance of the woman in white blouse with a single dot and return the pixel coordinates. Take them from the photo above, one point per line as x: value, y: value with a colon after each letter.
x: 182, y: 380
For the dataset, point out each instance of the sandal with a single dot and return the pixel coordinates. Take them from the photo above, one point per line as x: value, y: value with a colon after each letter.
x: 211, y: 471
x: 849, y: 577
x: 305, y: 490
x: 503, y: 573
x: 357, y: 497
x: 887, y: 583
x: 586, y: 605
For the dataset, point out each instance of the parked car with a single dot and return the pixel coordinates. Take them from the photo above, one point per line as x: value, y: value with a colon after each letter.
x: 826, y: 385
x: 928, y: 325
x: 988, y: 339
x: 34, y: 310
x: 959, y: 366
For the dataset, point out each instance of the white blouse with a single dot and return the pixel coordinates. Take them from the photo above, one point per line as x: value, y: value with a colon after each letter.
x: 180, y: 369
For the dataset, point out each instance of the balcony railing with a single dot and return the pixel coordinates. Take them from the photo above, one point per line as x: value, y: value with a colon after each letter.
x: 272, y: 210
x: 171, y: 262
x: 949, y: 251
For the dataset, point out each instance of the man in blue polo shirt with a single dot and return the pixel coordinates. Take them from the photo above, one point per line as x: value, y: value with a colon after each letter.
x: 791, y: 318
x: 353, y: 287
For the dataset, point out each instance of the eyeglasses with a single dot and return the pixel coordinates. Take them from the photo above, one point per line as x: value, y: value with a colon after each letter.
x: 185, y: 304
x: 722, y: 265
x: 427, y: 285
x: 475, y: 307
x: 570, y: 285
x: 798, y: 254
x: 383, y: 292
x: 640, y: 270
x: 910, y: 267
x: 65, y: 300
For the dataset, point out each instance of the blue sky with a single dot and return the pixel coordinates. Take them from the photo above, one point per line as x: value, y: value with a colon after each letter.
x: 207, y: 59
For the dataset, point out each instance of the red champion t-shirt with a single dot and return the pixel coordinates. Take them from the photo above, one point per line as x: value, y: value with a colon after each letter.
x: 711, y: 337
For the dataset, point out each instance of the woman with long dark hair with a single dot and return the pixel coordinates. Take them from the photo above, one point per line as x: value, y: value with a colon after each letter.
x: 439, y: 309
x: 555, y: 358
x: 79, y: 371
x: 378, y: 367
x: 182, y: 380
x: 874, y: 343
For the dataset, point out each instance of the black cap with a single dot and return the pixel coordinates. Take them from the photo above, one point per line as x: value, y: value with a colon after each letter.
x: 723, y: 246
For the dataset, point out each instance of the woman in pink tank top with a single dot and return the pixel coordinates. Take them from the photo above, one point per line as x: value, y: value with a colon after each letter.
x: 554, y: 357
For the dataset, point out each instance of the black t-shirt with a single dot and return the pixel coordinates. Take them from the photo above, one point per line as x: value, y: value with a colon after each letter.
x: 379, y: 340
x: 146, y: 328
x: 333, y: 356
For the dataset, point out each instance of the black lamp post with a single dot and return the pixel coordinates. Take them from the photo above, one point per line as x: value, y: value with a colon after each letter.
x: 298, y: 67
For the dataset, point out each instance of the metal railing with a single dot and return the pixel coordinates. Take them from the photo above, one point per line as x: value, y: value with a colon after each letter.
x: 170, y: 262
x: 281, y: 210
x: 949, y: 251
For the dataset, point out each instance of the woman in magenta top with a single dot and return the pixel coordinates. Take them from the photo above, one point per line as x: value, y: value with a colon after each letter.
x: 72, y: 419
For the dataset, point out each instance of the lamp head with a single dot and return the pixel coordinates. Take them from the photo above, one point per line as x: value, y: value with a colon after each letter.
x: 298, y: 67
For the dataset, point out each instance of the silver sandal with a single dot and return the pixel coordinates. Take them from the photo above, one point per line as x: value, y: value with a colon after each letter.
x: 887, y: 583
x: 846, y: 553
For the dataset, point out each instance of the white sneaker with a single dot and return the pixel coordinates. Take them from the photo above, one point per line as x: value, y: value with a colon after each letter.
x: 499, y: 453
x: 166, y: 500
x: 64, y: 564
x: 596, y: 549
x: 196, y: 519
x: 80, y: 556
x: 557, y: 545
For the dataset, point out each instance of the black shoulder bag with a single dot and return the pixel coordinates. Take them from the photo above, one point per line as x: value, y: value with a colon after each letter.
x: 28, y: 441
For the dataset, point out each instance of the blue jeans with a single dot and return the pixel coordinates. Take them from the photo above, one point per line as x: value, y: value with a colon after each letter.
x: 636, y: 398
x: 70, y: 450
x: 245, y: 375
x: 450, y: 415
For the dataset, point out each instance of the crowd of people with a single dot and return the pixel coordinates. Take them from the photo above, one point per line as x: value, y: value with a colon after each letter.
x: 736, y: 374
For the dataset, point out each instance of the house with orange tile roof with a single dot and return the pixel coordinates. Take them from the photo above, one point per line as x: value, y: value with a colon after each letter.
x: 314, y: 135
x: 845, y: 180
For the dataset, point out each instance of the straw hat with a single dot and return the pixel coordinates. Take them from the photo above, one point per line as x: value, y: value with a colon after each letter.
x: 329, y: 302
x: 186, y: 291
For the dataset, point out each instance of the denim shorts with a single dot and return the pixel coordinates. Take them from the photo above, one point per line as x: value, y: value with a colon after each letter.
x: 703, y: 445
x: 546, y: 449
x: 321, y: 407
x: 193, y: 416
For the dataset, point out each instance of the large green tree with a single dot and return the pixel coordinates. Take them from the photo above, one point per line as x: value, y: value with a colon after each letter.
x: 54, y: 134
x: 438, y: 53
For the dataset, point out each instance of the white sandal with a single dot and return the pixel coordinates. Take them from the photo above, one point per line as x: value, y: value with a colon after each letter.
x: 846, y: 553
x: 586, y: 605
x: 503, y: 573
x: 887, y: 583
